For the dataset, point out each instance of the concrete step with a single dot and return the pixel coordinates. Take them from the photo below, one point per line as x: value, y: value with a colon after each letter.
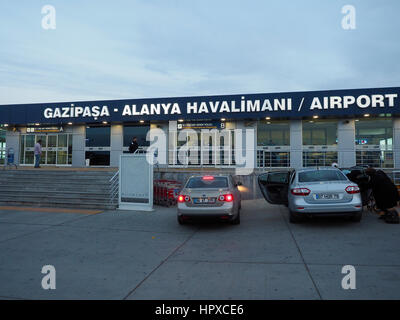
x: 73, y: 205
x: 52, y: 188
x: 53, y: 193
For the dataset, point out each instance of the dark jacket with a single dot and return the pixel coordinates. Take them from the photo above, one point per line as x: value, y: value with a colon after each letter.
x: 384, y: 190
x: 133, y: 147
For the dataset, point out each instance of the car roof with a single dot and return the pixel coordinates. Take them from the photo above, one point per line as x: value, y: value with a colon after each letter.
x: 226, y: 175
x: 316, y: 169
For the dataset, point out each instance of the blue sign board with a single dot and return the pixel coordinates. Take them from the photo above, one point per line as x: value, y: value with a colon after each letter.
x: 244, y: 106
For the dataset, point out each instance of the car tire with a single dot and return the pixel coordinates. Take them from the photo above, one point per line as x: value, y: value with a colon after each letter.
x: 181, y: 220
x: 356, y: 217
x: 294, y: 217
x: 237, y: 219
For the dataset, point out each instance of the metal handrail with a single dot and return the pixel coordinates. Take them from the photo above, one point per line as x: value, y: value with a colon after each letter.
x: 114, y: 187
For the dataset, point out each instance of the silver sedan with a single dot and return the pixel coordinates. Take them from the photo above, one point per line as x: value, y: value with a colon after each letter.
x: 307, y: 192
x: 210, y: 196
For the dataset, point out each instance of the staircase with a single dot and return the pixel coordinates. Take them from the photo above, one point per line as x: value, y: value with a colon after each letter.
x: 58, y: 188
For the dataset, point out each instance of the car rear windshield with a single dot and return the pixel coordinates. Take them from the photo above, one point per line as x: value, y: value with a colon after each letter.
x: 321, y: 175
x: 199, y: 182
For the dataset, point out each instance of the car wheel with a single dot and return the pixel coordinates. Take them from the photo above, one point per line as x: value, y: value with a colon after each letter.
x: 181, y: 220
x: 294, y: 217
x: 356, y: 217
x: 237, y: 219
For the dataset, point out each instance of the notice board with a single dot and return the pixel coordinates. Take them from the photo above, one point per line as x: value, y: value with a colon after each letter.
x: 135, y: 183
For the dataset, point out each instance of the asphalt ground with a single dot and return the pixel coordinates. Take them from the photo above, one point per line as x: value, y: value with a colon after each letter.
x: 142, y: 255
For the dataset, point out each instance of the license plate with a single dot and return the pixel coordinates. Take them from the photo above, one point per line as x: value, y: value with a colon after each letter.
x: 204, y: 200
x: 327, y: 196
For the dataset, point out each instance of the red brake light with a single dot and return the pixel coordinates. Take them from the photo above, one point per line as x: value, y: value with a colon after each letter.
x: 208, y: 178
x: 300, y: 191
x: 352, y: 189
x: 226, y: 197
x: 183, y: 198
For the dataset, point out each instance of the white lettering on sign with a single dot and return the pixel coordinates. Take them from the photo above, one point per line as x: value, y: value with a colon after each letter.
x: 363, y: 101
x: 76, y: 112
x: 275, y: 105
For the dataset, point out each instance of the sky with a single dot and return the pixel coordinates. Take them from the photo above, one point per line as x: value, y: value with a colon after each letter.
x: 131, y: 49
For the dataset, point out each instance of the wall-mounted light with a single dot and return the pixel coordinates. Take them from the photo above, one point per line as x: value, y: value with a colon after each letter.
x: 223, y: 119
x: 315, y: 117
x: 268, y: 118
x: 70, y: 123
x: 105, y: 122
x: 180, y: 120
x: 366, y: 115
x: 6, y: 124
x: 141, y: 121
x: 37, y: 124
x: 357, y: 120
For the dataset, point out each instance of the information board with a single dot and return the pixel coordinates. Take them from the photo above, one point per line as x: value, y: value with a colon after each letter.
x: 135, y: 183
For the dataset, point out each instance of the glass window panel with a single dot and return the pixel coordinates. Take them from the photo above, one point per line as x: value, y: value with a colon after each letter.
x: 98, y: 136
x: 320, y: 159
x: 22, y: 150
x: 98, y: 158
x: 51, y: 157
x: 61, y: 157
x: 30, y: 141
x: 322, y: 132
x: 374, y: 132
x: 273, y: 133
x: 29, y: 157
x: 62, y: 140
x: 52, y: 141
x: 140, y: 132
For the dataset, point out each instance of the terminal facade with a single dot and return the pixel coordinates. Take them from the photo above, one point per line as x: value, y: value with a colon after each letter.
x: 299, y: 129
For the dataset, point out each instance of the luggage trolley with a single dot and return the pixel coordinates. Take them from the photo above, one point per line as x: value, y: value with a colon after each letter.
x: 9, y: 160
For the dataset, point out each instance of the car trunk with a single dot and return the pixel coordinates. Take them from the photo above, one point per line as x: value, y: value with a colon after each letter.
x: 207, y: 197
x: 327, y: 192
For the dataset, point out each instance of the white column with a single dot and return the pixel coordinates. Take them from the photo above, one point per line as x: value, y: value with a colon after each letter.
x: 78, y: 145
x: 396, y: 142
x: 296, y: 144
x: 116, y: 144
x: 13, y: 141
x: 346, y: 143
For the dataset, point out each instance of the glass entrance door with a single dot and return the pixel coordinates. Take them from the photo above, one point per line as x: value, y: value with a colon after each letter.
x: 97, y: 150
x: 56, y: 149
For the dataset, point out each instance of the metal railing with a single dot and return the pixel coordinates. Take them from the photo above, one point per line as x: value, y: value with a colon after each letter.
x: 114, y: 188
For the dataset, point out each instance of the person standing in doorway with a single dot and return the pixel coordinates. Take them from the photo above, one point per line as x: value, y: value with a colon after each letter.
x: 38, y: 153
x: 133, y: 146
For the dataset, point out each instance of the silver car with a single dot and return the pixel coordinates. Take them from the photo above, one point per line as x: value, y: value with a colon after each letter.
x: 307, y: 192
x: 210, y: 196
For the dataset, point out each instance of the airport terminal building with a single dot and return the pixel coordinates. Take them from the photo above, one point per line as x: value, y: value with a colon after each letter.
x: 291, y: 129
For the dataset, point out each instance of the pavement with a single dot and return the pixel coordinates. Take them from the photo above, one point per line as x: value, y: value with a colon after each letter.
x: 148, y: 255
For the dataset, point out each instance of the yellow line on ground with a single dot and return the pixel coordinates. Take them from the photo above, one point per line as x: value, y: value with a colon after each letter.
x: 60, y: 210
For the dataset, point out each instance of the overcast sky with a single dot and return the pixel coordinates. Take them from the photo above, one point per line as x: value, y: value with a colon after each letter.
x: 163, y: 48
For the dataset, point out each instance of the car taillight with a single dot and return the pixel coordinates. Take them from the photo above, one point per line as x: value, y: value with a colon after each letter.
x: 208, y: 178
x: 300, y: 191
x: 352, y: 189
x: 226, y: 197
x: 183, y: 198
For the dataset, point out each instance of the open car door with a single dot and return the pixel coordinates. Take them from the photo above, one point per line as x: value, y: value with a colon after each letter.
x: 274, y: 186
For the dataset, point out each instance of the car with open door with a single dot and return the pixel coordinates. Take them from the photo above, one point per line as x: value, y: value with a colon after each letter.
x: 311, y: 192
